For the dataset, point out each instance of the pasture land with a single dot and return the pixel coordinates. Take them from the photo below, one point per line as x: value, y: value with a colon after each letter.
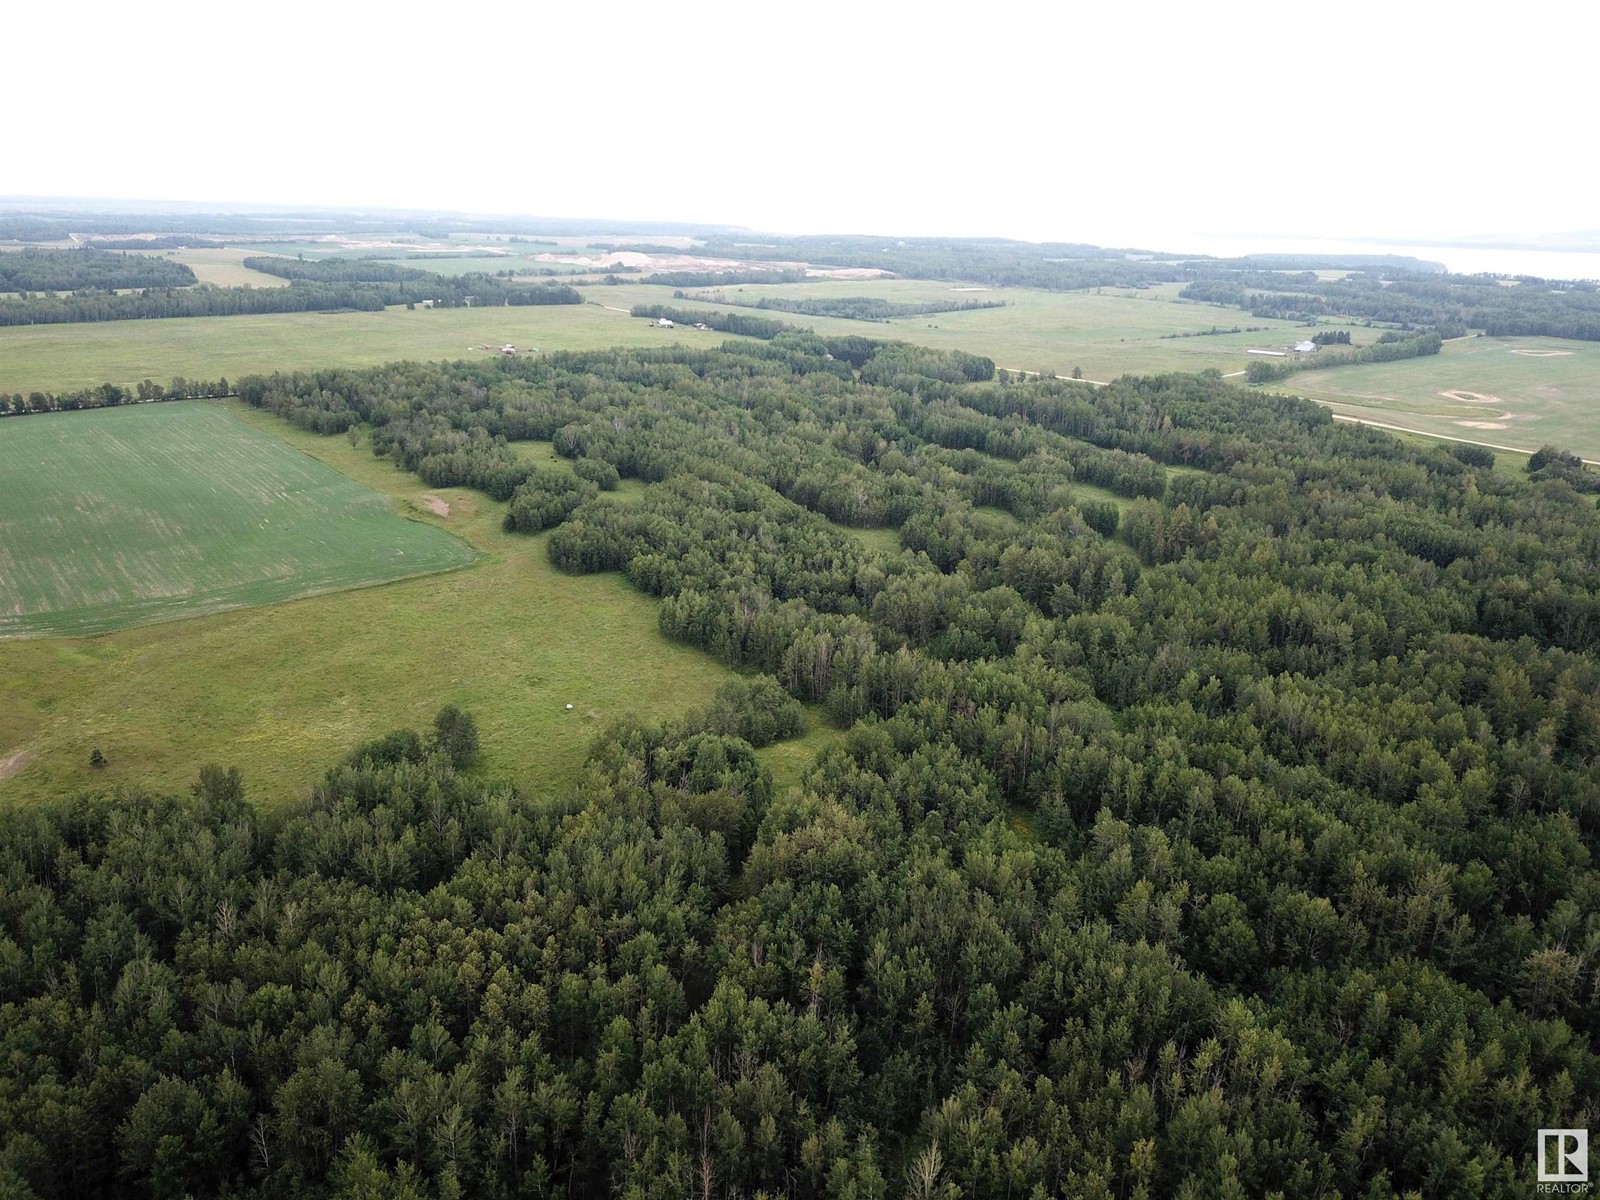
x: 1514, y: 392
x: 64, y: 357
x: 1114, y: 332
x: 119, y: 517
x: 1106, y: 334
x: 285, y: 689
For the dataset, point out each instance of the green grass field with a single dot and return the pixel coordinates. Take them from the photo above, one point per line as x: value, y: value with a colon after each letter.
x: 1111, y: 333
x: 283, y: 690
x: 1106, y: 335
x: 1514, y: 392
x: 63, y: 357
x: 117, y: 517
x: 225, y: 267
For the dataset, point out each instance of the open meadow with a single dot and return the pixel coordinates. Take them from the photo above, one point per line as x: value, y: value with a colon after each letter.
x: 282, y: 690
x: 1519, y: 393
x: 1113, y: 332
x: 118, y: 517
x: 1106, y: 334
x: 63, y: 357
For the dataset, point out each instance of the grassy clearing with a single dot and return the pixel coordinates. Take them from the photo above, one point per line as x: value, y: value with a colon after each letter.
x: 283, y: 690
x: 118, y: 517
x: 1529, y: 391
x: 1093, y: 491
x: 788, y: 760
x: 881, y: 541
x: 996, y: 513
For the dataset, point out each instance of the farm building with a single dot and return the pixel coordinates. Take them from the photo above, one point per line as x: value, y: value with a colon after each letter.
x: 1305, y: 347
x: 663, y: 323
x: 1268, y: 353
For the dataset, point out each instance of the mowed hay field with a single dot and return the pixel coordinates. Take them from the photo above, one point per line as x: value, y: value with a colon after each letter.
x: 1519, y: 393
x: 223, y: 267
x: 285, y: 690
x: 121, y: 516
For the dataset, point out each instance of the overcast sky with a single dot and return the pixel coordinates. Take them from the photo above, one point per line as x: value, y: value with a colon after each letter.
x: 1117, y: 123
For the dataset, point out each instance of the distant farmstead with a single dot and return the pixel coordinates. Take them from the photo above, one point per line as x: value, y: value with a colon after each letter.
x: 663, y: 323
x: 1306, y: 347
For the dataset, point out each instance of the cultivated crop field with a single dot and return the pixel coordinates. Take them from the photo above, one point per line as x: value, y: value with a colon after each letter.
x: 1515, y: 392
x: 118, y: 517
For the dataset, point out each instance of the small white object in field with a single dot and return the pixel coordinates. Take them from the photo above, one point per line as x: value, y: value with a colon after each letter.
x: 569, y: 708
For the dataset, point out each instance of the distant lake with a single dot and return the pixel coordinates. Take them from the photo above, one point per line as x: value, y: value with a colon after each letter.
x: 1465, y: 260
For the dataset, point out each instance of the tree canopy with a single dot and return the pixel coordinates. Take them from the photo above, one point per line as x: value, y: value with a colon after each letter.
x: 1211, y: 813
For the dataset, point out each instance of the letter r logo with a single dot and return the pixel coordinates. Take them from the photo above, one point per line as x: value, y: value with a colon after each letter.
x: 1563, y: 1156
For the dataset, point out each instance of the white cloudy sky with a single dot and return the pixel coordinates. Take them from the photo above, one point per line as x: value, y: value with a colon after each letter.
x: 1113, y: 122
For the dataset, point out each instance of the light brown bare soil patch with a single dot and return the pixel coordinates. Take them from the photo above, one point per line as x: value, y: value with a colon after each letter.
x: 437, y: 506
x: 650, y: 263
x: 10, y: 765
x: 1470, y: 397
x: 1482, y: 424
x: 848, y: 273
x: 1544, y: 353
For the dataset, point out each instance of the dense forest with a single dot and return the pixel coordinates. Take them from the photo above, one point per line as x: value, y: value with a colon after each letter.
x: 1450, y: 305
x: 1233, y: 837
x: 689, y: 279
x: 206, y: 300
x: 47, y: 223
x: 1058, y: 266
x: 338, y: 270
x: 35, y: 270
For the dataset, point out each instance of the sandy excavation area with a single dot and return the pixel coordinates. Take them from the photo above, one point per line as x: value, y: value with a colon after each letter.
x: 647, y: 263
x: 1465, y: 397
